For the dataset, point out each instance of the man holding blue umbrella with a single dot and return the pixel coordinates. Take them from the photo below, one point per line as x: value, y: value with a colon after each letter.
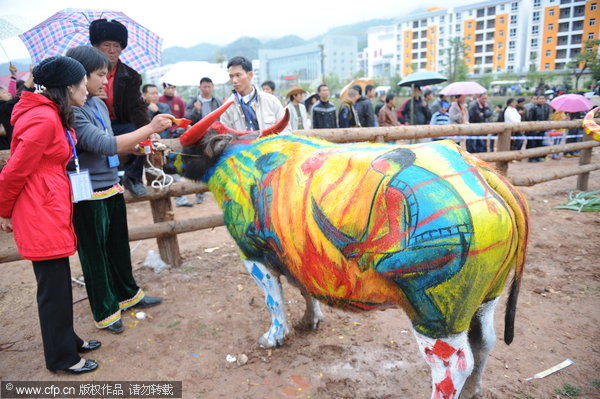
x: 126, y: 107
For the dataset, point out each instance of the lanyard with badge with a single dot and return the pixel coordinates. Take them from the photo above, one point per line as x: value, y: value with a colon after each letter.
x: 81, y: 184
x: 113, y: 160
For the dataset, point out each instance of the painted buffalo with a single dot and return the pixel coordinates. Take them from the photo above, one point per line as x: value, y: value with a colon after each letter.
x: 427, y: 227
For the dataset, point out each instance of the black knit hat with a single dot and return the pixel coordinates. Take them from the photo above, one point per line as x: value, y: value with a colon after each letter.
x: 58, y: 71
x: 102, y: 30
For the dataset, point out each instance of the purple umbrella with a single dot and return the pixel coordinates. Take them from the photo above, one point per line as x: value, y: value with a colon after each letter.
x: 571, y: 103
x: 70, y: 28
x: 460, y: 88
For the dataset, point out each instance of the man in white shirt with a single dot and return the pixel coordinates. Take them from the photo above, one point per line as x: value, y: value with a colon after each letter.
x: 252, y: 109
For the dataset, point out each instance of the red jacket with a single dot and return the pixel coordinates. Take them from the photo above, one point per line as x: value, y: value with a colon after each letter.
x: 35, y: 190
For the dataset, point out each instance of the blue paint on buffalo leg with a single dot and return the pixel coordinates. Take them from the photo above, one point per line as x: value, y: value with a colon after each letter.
x: 273, y: 291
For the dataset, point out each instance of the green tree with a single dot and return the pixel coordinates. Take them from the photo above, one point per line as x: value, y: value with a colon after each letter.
x: 334, y: 82
x: 486, y: 80
x: 456, y: 68
x: 587, y: 59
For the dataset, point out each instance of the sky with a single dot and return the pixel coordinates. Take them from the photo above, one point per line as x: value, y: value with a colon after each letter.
x: 220, y: 22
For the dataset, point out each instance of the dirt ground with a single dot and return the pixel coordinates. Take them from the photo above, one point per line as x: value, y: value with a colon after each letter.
x: 213, y: 309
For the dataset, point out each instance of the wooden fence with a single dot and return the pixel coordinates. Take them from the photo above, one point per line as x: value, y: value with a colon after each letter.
x: 165, y: 228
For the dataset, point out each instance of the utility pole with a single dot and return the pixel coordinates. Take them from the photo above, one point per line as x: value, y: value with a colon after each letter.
x: 322, y: 47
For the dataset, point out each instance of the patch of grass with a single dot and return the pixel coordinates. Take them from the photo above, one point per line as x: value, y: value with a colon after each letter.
x: 596, y: 384
x: 171, y: 325
x: 568, y: 390
x: 524, y: 396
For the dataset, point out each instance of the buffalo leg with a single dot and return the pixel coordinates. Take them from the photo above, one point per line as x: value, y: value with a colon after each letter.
x: 312, y: 314
x: 273, y: 291
x: 450, y: 360
x: 482, y: 339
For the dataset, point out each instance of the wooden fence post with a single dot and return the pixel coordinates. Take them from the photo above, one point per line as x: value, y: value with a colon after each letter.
x: 162, y: 211
x: 584, y: 159
x: 503, y: 144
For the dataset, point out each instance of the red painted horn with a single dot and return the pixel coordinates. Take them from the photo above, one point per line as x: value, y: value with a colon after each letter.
x: 196, y: 132
x: 279, y: 126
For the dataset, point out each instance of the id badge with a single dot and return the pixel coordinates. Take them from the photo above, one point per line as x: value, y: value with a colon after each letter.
x: 113, y: 161
x: 81, y: 185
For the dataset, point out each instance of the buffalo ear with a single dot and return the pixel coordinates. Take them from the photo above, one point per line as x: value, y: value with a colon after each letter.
x: 216, y: 144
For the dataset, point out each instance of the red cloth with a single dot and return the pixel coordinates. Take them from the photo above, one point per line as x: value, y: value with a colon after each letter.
x: 36, y: 192
x: 176, y: 104
x: 110, y: 93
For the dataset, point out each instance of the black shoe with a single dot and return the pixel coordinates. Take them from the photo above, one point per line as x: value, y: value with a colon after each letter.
x: 137, y: 189
x: 148, y: 302
x: 91, y: 345
x: 90, y: 365
x: 116, y: 327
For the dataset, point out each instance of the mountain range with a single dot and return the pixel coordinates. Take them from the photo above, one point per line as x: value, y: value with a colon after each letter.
x: 245, y: 46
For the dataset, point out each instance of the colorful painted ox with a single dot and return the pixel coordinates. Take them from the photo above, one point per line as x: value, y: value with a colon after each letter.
x: 427, y: 227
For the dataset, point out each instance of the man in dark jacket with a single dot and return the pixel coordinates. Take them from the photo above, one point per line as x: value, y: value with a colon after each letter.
x: 422, y: 113
x: 540, y: 111
x: 323, y: 112
x: 364, y: 106
x: 123, y: 98
x: 479, y: 112
x: 202, y: 104
x: 347, y: 114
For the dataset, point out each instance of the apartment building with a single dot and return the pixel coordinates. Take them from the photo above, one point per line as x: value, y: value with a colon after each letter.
x: 500, y: 35
x: 559, y: 30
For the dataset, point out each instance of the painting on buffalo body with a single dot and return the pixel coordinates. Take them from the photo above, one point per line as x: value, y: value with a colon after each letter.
x: 428, y: 228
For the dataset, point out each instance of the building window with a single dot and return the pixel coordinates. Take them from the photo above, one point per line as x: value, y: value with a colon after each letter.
x: 513, y: 32
x: 514, y: 6
x: 551, y: 12
x: 546, y: 66
x: 511, y: 56
x: 590, y: 36
x: 549, y: 40
x: 535, y: 29
x: 499, y: 57
x: 550, y: 26
x: 469, y: 37
x: 511, y: 67
x: 513, y: 19
x: 501, y: 20
x: 441, y: 30
x: 457, y: 28
x: 536, y: 3
x: 536, y: 16
x: 470, y: 25
x: 442, y: 18
x: 593, y: 6
x: 500, y: 33
x: 534, y: 43
x: 548, y: 53
x: 500, y: 45
x: 592, y: 21
x: 511, y: 45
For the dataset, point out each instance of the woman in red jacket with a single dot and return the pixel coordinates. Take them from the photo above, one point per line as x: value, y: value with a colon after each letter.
x: 36, y: 203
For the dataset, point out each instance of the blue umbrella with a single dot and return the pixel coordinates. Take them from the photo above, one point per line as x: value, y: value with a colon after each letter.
x: 422, y: 78
x: 70, y: 28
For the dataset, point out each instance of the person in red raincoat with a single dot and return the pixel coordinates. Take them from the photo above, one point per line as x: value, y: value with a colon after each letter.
x: 36, y: 203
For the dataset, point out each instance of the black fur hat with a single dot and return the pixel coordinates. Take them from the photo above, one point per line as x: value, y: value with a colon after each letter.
x: 102, y: 30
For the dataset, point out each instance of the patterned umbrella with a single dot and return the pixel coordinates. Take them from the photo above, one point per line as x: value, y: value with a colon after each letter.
x: 69, y: 28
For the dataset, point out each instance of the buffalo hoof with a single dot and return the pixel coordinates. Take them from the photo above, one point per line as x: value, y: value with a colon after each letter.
x: 274, y: 337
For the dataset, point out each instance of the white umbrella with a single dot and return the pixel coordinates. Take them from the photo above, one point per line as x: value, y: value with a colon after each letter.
x: 189, y: 73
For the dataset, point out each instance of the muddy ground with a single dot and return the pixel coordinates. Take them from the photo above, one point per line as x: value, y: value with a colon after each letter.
x: 213, y: 309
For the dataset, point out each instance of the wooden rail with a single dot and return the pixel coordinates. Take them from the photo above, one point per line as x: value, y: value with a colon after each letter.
x: 165, y: 229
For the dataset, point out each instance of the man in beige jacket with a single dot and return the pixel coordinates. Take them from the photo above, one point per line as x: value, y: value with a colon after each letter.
x: 252, y: 109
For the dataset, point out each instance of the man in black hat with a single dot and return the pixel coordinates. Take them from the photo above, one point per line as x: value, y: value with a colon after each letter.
x: 126, y: 107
